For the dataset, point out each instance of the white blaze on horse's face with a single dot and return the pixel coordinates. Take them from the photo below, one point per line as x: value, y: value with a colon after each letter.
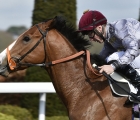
x: 3, y: 60
x: 3, y: 54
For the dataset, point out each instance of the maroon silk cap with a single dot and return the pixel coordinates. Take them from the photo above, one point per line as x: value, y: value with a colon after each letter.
x: 90, y: 20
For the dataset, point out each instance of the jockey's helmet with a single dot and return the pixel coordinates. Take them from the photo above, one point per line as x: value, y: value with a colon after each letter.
x: 90, y: 20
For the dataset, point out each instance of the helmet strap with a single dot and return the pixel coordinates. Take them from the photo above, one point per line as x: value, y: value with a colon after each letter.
x: 100, y: 34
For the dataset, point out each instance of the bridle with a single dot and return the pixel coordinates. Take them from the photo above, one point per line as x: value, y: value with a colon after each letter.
x: 15, y: 62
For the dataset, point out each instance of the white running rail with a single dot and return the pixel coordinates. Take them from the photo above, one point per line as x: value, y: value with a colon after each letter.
x: 30, y: 87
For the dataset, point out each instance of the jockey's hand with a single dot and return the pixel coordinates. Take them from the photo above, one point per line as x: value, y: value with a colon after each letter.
x: 106, y: 68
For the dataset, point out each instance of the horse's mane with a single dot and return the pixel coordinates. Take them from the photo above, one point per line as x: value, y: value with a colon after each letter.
x: 77, y: 40
x: 68, y: 30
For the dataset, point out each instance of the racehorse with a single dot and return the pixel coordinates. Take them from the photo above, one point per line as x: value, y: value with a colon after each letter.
x: 56, y: 46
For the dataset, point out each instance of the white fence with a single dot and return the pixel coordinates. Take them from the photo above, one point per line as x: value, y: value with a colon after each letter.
x: 30, y: 87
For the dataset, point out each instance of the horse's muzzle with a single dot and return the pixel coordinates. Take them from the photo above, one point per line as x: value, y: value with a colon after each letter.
x: 4, y: 71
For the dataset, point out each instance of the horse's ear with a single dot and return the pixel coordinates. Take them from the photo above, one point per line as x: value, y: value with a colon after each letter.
x: 53, y: 22
x: 55, y: 17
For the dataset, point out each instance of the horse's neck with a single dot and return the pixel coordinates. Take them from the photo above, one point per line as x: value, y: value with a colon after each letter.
x: 69, y: 78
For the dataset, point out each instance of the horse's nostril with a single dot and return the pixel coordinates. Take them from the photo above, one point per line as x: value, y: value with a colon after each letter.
x: 2, y: 68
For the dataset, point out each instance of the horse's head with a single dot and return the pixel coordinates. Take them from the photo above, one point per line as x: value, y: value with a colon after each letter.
x: 17, y: 55
x: 32, y: 47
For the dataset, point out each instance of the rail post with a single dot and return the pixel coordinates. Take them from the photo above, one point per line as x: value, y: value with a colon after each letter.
x: 42, y: 101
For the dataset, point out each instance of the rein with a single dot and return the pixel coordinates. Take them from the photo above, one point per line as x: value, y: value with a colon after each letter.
x: 15, y: 62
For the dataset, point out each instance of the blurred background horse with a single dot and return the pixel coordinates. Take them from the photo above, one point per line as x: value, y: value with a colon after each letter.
x: 54, y: 45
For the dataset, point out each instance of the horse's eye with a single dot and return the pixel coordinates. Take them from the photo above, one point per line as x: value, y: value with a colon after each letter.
x: 26, y: 39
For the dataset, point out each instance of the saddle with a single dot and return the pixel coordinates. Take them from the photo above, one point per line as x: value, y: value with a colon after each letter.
x: 123, y: 82
x: 129, y: 87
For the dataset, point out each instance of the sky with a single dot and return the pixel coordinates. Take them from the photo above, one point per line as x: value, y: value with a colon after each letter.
x: 19, y: 12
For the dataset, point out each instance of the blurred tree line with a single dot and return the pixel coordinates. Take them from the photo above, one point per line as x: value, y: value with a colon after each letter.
x: 46, y: 9
x: 16, y: 30
x: 5, y: 39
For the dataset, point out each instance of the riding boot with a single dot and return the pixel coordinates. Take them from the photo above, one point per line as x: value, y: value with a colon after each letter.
x: 131, y: 74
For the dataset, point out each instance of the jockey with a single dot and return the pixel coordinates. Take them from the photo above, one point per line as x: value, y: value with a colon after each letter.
x: 121, y: 42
